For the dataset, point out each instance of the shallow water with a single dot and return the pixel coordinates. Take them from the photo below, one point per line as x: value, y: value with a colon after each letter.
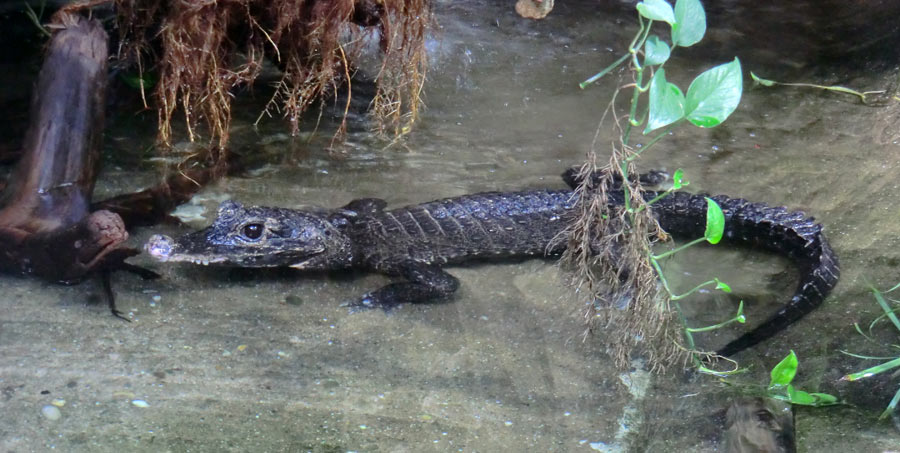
x: 268, y: 361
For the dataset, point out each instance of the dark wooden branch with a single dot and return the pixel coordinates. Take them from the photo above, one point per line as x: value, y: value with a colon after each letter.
x: 52, y: 183
x: 153, y: 205
x: 46, y: 227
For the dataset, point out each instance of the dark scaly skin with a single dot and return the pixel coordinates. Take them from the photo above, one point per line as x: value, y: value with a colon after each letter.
x: 776, y: 229
x: 415, y: 242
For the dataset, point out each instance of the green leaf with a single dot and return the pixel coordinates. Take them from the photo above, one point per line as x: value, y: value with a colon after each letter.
x: 678, y: 179
x: 762, y: 81
x: 824, y: 399
x: 666, y: 102
x: 800, y: 397
x: 869, y: 372
x: 715, y: 222
x: 888, y: 311
x: 803, y: 398
x: 690, y: 23
x: 720, y: 285
x: 784, y: 372
x: 655, y: 51
x: 136, y: 81
x: 657, y: 10
x: 891, y: 406
x: 714, y: 95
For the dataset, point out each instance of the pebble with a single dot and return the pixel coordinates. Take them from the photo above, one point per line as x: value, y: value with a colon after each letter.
x: 293, y: 300
x: 51, y: 412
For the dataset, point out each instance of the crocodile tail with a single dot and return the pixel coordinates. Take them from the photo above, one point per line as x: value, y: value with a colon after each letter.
x: 817, y: 280
x: 789, y: 233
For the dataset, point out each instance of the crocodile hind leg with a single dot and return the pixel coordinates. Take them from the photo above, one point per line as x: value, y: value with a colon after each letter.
x: 425, y: 282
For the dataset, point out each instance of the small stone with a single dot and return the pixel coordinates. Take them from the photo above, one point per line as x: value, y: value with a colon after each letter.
x: 140, y: 403
x: 293, y: 300
x: 534, y: 9
x: 51, y: 412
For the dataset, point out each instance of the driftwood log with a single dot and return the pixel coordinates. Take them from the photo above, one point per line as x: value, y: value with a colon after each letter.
x: 46, y: 226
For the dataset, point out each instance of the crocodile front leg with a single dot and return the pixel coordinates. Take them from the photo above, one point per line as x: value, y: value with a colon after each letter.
x: 426, y: 282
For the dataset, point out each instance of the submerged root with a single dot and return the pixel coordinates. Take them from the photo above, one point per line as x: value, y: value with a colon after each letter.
x: 204, y: 50
x: 607, y: 256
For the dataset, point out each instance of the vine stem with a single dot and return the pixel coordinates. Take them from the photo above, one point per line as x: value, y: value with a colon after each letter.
x: 653, y: 141
x: 678, y: 249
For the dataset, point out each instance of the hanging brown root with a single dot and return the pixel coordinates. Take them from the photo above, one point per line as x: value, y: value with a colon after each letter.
x: 607, y: 255
x: 205, y: 50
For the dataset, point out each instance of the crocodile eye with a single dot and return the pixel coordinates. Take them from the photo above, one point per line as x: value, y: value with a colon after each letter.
x: 253, y: 231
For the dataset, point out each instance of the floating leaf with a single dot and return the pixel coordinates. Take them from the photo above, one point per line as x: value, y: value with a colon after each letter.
x: 666, y: 102
x: 795, y: 396
x: 715, y: 222
x: 720, y: 285
x: 657, y: 10
x: 678, y: 179
x: 800, y: 397
x: 714, y: 95
x: 740, y: 314
x: 655, y: 51
x: 872, y: 371
x: 690, y: 23
x: 762, y: 81
x: 824, y: 399
x: 784, y: 372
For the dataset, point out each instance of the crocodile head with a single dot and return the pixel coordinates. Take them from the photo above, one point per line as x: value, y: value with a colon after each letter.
x: 261, y: 237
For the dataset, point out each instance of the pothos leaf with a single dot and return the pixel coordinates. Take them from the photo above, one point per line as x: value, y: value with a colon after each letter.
x: 657, y: 10
x: 784, y: 372
x: 715, y: 222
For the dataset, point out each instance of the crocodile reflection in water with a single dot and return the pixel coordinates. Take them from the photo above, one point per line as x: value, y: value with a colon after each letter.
x: 415, y: 242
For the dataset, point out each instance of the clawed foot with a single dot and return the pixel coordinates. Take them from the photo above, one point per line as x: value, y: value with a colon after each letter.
x: 116, y: 262
x: 110, y: 296
x: 117, y: 313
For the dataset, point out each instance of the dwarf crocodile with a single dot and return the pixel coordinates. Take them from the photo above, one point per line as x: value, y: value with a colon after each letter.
x: 415, y: 242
